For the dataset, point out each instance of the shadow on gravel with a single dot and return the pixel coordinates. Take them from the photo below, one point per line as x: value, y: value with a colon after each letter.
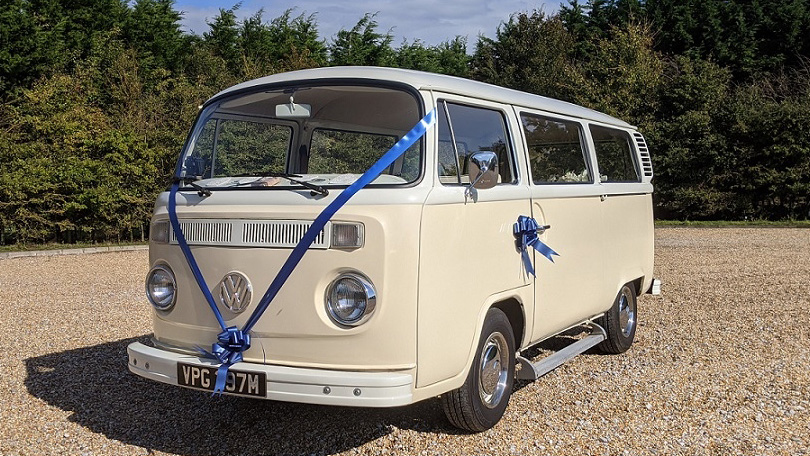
x: 95, y: 385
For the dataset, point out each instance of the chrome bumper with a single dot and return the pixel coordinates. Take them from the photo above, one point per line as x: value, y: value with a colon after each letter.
x: 290, y: 384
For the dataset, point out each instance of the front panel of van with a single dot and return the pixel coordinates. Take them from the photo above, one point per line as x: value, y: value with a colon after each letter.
x: 296, y: 329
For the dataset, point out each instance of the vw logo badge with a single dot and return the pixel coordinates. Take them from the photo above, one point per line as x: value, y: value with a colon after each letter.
x: 235, y: 291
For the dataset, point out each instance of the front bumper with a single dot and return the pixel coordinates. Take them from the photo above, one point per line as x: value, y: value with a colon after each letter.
x: 290, y: 384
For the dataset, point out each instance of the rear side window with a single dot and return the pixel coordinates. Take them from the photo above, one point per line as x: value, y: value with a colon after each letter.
x: 614, y: 155
x: 465, y: 130
x: 556, y: 152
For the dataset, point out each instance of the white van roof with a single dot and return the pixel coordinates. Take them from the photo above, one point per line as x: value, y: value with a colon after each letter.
x: 421, y: 80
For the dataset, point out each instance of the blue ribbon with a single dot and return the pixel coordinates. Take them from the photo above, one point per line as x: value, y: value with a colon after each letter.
x: 231, y: 342
x: 525, y: 231
x: 192, y: 263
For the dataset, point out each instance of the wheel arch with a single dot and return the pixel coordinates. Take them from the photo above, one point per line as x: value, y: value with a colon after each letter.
x: 511, y: 303
x: 636, y: 277
x: 517, y: 317
x: 638, y: 284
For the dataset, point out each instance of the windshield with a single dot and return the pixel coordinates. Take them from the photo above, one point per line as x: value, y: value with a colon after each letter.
x: 329, y: 135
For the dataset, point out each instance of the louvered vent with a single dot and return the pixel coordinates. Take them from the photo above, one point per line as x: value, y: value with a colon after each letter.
x: 251, y: 233
x: 205, y: 232
x: 278, y: 233
x: 646, y: 162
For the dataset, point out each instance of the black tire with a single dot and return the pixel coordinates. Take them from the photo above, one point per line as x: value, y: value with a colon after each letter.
x: 478, y: 405
x: 620, y: 321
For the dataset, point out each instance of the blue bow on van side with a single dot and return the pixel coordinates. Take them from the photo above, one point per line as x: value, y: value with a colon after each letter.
x: 525, y: 231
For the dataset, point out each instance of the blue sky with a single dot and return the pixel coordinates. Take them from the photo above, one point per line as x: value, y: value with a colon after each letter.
x: 430, y: 21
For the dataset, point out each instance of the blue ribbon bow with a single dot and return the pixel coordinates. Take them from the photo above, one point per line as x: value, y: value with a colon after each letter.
x: 231, y: 342
x: 525, y: 231
x: 228, y: 350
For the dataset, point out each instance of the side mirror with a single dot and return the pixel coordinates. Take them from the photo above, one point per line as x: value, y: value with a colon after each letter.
x: 483, y: 170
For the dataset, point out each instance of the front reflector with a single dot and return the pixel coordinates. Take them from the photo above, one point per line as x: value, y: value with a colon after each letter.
x: 159, y: 232
x: 347, y: 235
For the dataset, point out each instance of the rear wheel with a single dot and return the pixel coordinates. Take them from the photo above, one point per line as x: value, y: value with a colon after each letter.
x: 480, y: 403
x: 620, y: 321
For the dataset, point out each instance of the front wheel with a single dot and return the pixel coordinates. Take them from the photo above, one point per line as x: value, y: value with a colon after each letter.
x: 620, y: 321
x: 480, y: 403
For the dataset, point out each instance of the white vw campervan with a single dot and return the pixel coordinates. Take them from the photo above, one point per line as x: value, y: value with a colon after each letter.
x: 374, y: 237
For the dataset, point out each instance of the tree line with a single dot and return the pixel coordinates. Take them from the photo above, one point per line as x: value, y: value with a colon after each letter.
x: 96, y: 96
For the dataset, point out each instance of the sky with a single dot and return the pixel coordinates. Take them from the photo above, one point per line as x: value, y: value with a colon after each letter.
x: 430, y: 21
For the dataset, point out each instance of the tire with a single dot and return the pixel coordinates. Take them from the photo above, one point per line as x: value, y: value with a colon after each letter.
x: 620, y: 321
x: 480, y: 403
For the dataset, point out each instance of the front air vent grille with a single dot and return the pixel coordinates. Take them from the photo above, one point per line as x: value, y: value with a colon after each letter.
x: 205, y: 233
x: 646, y: 161
x: 279, y: 234
x: 250, y: 233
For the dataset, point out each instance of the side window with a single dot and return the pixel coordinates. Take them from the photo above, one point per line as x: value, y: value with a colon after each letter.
x: 614, y: 155
x: 465, y: 130
x: 556, y: 154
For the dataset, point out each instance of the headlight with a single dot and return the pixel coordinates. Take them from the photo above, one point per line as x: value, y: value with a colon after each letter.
x: 159, y: 232
x: 161, y: 288
x: 350, y: 299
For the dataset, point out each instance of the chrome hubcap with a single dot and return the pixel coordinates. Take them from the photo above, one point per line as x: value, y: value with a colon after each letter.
x: 493, y: 373
x: 627, y: 312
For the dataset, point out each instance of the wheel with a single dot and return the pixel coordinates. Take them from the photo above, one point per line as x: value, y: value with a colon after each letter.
x: 480, y: 403
x: 620, y: 321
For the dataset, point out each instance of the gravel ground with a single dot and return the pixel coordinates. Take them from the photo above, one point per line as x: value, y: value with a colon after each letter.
x: 721, y: 365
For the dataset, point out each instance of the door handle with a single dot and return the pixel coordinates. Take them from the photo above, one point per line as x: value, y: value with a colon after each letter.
x: 542, y: 228
x: 602, y: 197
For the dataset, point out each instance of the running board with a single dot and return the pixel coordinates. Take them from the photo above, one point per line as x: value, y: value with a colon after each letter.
x: 533, y: 371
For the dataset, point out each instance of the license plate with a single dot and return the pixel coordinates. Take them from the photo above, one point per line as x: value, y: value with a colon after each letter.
x: 242, y: 383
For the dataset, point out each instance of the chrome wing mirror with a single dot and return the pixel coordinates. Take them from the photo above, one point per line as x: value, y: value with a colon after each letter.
x: 483, y: 171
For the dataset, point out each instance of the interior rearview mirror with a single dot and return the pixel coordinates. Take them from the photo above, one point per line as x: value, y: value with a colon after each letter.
x: 293, y: 111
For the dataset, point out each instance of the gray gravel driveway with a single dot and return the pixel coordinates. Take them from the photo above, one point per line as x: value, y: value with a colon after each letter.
x: 721, y: 365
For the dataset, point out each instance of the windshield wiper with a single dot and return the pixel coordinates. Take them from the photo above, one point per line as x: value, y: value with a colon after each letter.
x: 316, y: 189
x: 201, y: 191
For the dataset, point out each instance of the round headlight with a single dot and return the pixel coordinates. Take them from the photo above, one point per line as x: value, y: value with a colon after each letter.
x: 350, y: 299
x: 161, y: 287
